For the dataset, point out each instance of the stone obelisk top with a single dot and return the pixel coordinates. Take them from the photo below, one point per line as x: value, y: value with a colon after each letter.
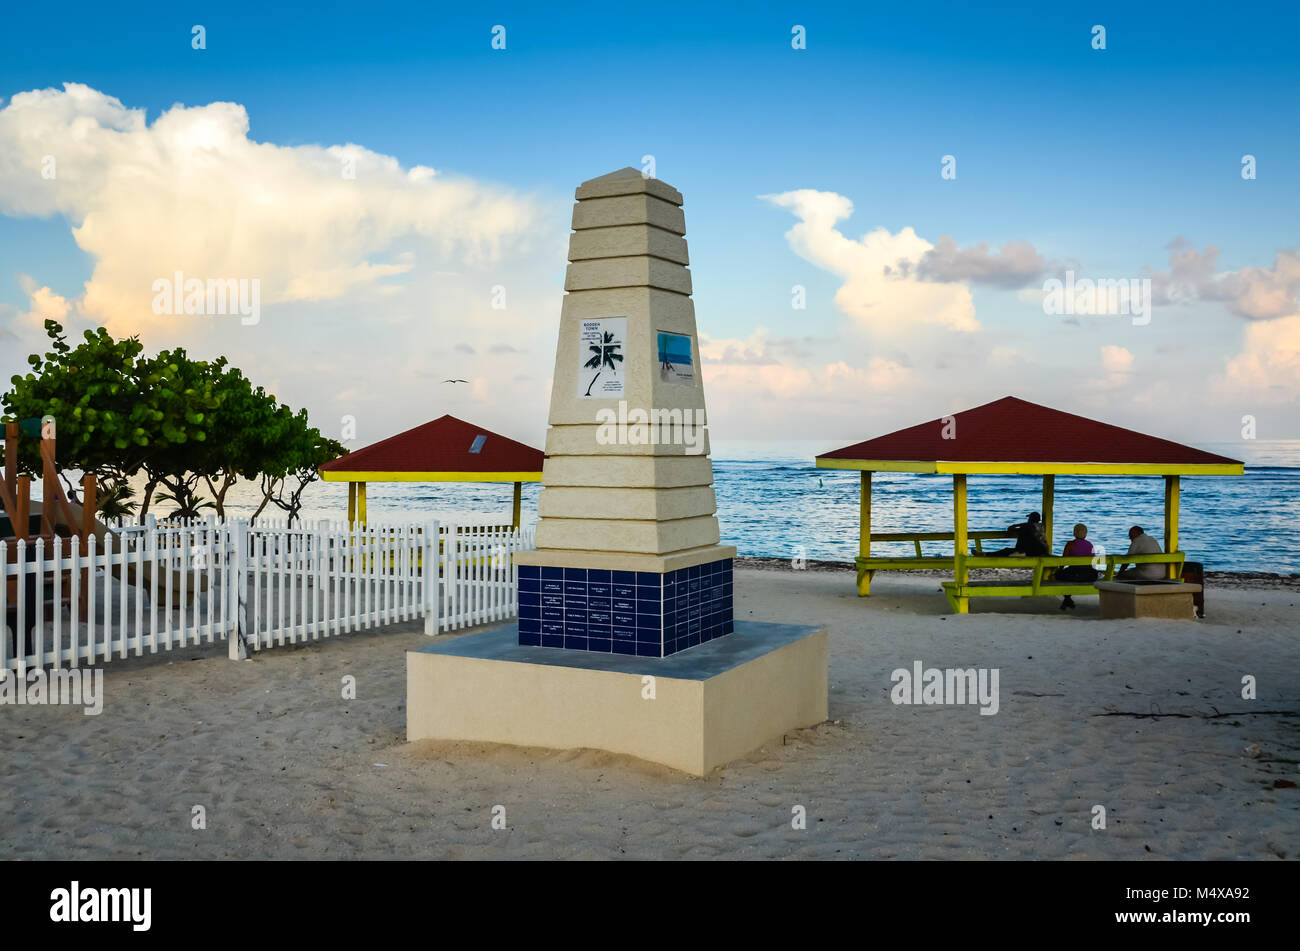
x: 627, y: 483
x: 627, y: 181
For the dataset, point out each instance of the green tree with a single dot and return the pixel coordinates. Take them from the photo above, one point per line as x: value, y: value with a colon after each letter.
x: 183, y: 393
x: 243, y: 435
x: 287, y: 470
x: 185, y: 424
x: 116, y: 501
x: 104, y: 420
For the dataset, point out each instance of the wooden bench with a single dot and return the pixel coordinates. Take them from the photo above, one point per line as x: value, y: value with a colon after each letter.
x: 868, y: 565
x: 1040, y: 582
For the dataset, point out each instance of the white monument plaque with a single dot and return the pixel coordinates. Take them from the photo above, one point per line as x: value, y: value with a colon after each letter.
x: 601, y: 352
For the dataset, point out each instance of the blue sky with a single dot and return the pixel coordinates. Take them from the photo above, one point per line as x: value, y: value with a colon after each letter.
x: 1098, y: 159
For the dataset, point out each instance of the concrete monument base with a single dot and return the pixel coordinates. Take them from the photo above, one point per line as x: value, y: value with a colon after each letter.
x: 711, y: 704
x: 1171, y: 600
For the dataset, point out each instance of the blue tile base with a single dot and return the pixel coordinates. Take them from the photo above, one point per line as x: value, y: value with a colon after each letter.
x: 640, y: 613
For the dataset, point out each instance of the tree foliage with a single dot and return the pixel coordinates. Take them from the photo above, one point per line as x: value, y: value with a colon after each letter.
x: 187, y: 425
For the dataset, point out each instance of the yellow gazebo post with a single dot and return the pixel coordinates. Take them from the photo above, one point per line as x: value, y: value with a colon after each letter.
x: 519, y: 497
x: 361, y: 503
x: 352, y: 504
x: 960, y: 573
x: 1049, y: 500
x: 864, y: 533
x: 1171, y: 520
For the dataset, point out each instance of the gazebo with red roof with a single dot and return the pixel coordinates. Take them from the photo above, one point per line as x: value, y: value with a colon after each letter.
x: 444, y: 450
x: 1012, y: 436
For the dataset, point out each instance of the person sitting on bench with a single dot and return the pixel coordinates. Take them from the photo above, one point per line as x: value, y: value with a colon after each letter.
x: 1076, y: 547
x: 1031, y: 540
x: 1142, y: 544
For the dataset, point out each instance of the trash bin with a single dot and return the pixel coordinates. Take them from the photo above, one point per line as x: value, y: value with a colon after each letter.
x: 1194, y: 573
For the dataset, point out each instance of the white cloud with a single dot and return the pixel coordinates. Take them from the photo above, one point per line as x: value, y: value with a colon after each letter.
x: 1117, y: 361
x: 366, y: 283
x: 1268, y: 367
x: 44, y: 303
x: 1017, y: 264
x: 760, y: 385
x: 881, y: 288
x: 28, y: 327
x: 1004, y: 356
x: 1257, y: 293
x: 760, y: 347
x: 192, y: 192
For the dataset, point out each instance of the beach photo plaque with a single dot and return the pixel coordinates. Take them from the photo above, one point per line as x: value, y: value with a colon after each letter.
x: 675, y: 358
x: 601, y: 351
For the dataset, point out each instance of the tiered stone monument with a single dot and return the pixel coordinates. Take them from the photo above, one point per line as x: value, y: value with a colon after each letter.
x: 626, y: 639
x: 627, y: 558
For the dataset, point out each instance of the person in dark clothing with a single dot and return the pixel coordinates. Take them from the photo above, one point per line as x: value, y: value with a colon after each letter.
x: 1031, y: 540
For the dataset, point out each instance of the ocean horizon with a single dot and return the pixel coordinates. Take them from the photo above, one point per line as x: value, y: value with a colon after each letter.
x: 773, y: 502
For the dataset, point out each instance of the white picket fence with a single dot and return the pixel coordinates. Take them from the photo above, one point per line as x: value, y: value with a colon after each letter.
x: 256, y: 586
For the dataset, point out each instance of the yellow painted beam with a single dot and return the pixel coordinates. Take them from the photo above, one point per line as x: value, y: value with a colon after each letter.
x: 1033, y: 468
x: 1171, y: 519
x: 960, y: 574
x: 332, y: 475
x: 864, y: 532
x: 1086, y: 468
x: 352, y: 503
x: 518, y: 504
x: 361, y: 503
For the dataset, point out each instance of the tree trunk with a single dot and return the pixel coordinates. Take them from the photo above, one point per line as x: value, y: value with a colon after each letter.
x: 69, y: 489
x: 268, y: 489
x: 149, y: 486
x: 219, y: 496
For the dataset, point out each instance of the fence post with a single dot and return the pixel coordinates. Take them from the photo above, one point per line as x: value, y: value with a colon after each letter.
x: 429, y: 572
x: 238, y: 649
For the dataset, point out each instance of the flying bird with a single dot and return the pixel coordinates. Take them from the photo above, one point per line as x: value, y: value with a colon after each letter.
x: 455, y: 381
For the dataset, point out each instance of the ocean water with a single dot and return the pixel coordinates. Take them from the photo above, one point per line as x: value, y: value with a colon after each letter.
x: 772, y: 501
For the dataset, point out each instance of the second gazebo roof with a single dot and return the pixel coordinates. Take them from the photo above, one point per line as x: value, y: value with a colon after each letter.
x: 444, y: 450
x: 1014, y: 436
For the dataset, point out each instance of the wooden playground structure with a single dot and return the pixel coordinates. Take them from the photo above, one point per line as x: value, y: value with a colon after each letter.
x: 58, y: 521
x: 56, y: 510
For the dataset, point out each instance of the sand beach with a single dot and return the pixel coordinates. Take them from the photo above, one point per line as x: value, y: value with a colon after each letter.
x: 1142, y: 717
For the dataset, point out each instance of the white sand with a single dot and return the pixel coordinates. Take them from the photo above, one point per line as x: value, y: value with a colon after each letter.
x: 288, y: 769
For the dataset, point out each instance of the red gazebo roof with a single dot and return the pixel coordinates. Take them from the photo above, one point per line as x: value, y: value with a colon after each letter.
x: 444, y: 450
x: 1012, y: 435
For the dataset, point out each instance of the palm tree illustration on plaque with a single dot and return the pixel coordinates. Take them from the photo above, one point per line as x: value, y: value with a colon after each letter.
x: 606, y: 354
